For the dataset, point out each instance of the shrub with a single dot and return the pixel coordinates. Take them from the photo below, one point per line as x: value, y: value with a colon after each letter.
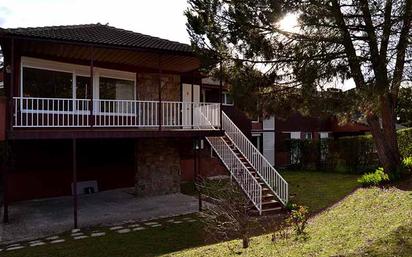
x: 407, y: 163
x: 298, y: 219
x: 374, y: 179
x: 405, y: 142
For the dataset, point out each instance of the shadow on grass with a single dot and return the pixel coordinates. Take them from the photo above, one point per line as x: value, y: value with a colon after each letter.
x: 398, y: 243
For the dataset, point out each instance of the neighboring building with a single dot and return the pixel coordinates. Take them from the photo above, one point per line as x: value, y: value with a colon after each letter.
x: 93, y: 108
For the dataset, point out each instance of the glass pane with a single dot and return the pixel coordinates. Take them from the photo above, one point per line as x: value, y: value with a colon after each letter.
x: 116, y: 89
x: 47, y: 84
x: 82, y: 87
x: 229, y: 99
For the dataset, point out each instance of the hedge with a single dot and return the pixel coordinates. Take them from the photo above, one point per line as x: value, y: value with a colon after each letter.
x: 355, y: 154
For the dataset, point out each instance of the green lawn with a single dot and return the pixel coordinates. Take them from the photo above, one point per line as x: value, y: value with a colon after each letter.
x: 318, y: 190
x: 370, y: 222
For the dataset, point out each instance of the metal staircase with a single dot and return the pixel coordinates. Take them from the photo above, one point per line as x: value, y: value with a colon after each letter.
x: 259, y: 180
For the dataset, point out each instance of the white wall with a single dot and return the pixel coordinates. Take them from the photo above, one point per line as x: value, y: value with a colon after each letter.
x: 269, y: 140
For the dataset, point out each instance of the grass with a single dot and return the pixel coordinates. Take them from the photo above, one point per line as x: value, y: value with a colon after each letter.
x: 370, y: 222
x: 318, y: 190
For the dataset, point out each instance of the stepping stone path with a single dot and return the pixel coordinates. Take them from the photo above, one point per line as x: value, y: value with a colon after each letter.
x: 97, y: 234
x: 80, y: 237
x: 116, y: 228
x: 57, y: 241
x: 123, y: 231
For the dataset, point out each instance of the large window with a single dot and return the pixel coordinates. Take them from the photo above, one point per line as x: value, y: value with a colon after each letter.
x: 47, y: 83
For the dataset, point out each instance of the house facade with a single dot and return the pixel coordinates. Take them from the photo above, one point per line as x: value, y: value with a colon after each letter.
x: 90, y: 108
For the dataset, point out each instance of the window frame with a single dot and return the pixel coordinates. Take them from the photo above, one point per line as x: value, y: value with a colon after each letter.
x: 224, y: 99
x: 75, y: 70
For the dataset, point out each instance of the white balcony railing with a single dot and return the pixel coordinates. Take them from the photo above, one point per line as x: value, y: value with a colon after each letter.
x: 32, y: 112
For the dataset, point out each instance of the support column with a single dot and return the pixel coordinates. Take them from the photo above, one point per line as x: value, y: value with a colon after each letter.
x: 74, y: 183
x: 220, y: 95
x: 196, y: 170
x: 160, y: 92
x: 5, y: 168
x: 91, y: 96
x: 192, y: 100
x: 12, y: 86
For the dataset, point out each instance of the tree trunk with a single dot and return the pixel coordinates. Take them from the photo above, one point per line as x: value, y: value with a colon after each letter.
x: 384, y: 135
x: 245, y: 241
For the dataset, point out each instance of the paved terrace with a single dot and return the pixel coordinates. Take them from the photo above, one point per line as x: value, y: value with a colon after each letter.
x: 40, y: 218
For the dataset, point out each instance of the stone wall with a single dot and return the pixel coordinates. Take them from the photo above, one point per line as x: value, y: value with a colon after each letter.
x: 158, y: 169
x: 148, y: 87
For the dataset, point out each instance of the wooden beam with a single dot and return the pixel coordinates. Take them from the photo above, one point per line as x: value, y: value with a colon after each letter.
x: 160, y: 92
x: 220, y: 95
x: 91, y: 96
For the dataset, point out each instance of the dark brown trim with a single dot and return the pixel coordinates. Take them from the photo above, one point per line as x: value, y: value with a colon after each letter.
x: 220, y: 95
x: 91, y: 104
x: 160, y: 92
x: 25, y: 134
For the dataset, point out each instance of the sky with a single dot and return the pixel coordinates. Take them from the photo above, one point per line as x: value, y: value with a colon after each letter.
x: 161, y: 18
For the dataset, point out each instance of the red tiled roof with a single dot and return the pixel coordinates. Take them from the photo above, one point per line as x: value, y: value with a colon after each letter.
x: 100, y: 34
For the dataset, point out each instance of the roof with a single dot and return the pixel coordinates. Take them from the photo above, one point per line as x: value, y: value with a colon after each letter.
x: 100, y: 34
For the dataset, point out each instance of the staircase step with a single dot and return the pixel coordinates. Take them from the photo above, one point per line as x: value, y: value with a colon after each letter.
x: 272, y: 209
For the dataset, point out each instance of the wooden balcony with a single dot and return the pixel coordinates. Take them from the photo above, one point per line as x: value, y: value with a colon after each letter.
x: 107, y: 118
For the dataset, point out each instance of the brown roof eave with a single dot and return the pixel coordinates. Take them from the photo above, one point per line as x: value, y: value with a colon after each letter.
x: 5, y: 34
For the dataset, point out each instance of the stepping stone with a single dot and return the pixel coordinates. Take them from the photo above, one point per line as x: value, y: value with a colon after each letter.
x: 52, y: 238
x: 37, y: 244
x: 151, y: 223
x: 116, y: 228
x: 96, y: 234
x: 156, y: 225
x: 35, y: 241
x: 77, y: 234
x: 123, y: 231
x: 191, y: 220
x: 187, y: 218
x: 57, y: 241
x: 80, y: 237
x: 134, y: 226
x: 13, y: 245
x: 15, y: 248
x: 139, y: 228
x: 171, y: 221
x: 75, y: 230
x: 177, y: 222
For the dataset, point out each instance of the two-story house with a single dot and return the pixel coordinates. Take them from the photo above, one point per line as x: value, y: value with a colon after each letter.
x: 91, y: 107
